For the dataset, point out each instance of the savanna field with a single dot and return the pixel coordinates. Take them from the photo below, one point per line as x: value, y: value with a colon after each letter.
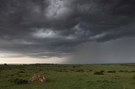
x: 107, y: 76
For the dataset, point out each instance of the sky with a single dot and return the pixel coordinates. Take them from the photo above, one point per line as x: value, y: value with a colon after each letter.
x: 67, y: 31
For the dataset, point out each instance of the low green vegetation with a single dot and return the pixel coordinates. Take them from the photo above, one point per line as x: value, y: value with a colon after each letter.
x: 19, y: 81
x: 118, y: 76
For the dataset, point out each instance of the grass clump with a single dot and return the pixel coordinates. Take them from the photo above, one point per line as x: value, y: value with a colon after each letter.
x: 99, y: 72
x: 79, y: 70
x: 19, y: 81
x: 121, y: 71
x: 133, y: 77
x: 112, y: 71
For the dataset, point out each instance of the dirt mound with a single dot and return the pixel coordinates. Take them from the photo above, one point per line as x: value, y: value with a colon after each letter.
x: 38, y: 78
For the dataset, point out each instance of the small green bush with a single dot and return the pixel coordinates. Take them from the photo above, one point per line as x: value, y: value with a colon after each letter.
x: 112, y: 71
x: 79, y: 70
x: 20, y: 71
x: 105, y: 81
x: 99, y: 72
x: 133, y: 77
x: 62, y: 70
x: 121, y: 71
x: 20, y: 81
x: 90, y: 70
x: 71, y: 69
x: 74, y: 66
x: 126, y: 71
x: 133, y: 71
x: 5, y: 64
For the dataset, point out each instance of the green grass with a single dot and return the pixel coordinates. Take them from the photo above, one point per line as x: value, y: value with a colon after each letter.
x: 69, y: 76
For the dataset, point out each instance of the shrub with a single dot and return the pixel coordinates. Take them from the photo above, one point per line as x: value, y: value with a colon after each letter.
x: 126, y: 71
x: 132, y: 71
x: 121, y: 71
x: 23, y: 69
x: 80, y: 70
x: 133, y: 77
x: 105, y: 81
x: 40, y: 69
x: 62, y: 70
x: 90, y: 70
x: 99, y: 72
x: 20, y: 81
x: 5, y: 64
x: 74, y: 66
x: 112, y: 71
x: 20, y: 71
x: 72, y: 70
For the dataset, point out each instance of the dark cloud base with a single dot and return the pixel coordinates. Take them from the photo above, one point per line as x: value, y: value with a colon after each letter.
x: 55, y: 27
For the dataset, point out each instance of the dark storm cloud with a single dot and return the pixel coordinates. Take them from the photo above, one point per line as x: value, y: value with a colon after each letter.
x: 54, y: 27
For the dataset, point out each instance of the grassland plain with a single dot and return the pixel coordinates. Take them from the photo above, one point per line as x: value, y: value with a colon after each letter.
x: 107, y: 76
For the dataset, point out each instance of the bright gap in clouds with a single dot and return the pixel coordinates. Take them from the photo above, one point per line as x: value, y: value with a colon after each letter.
x: 57, y: 9
x: 30, y: 60
x: 16, y: 58
x: 42, y: 33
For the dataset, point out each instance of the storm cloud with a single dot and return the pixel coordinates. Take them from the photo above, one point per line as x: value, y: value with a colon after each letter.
x: 54, y: 28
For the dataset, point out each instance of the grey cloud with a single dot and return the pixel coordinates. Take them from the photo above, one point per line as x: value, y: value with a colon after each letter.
x: 115, y: 51
x: 58, y: 26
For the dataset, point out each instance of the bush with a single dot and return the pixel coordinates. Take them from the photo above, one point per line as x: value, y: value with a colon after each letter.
x: 126, y: 71
x: 133, y: 77
x: 121, y: 71
x: 79, y: 70
x: 105, y: 81
x: 74, y: 66
x: 112, y: 71
x: 99, y: 72
x: 71, y: 69
x: 5, y: 64
x: 62, y: 70
x: 90, y: 70
x: 20, y: 81
x: 20, y: 71
x: 132, y: 71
